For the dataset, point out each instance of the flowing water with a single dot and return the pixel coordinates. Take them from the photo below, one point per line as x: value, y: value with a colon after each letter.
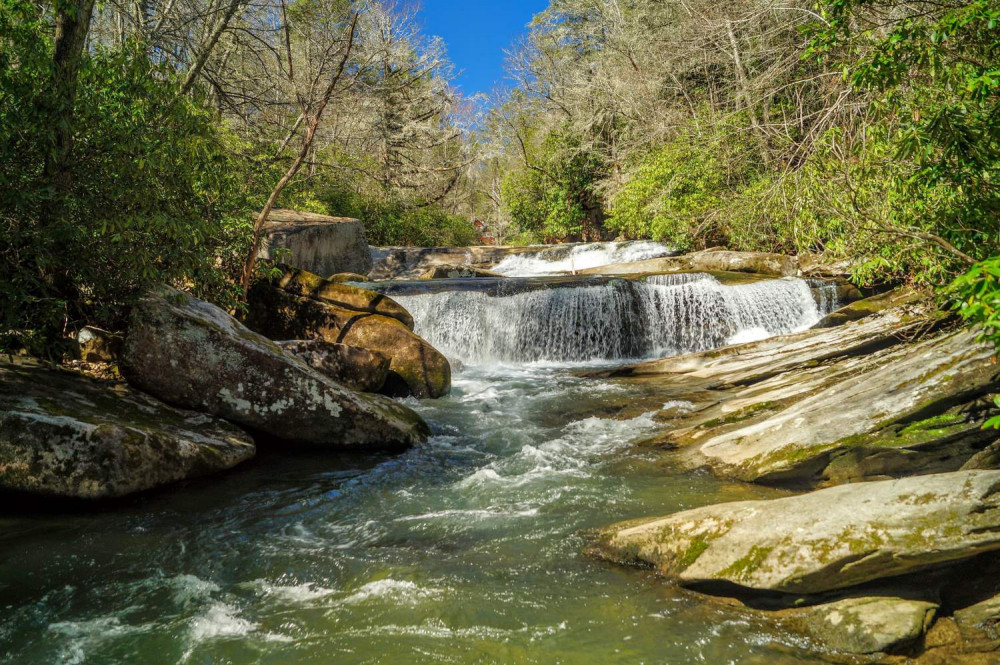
x: 467, y: 549
x: 579, y: 257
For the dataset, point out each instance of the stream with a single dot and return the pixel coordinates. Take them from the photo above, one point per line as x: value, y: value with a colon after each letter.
x: 465, y: 549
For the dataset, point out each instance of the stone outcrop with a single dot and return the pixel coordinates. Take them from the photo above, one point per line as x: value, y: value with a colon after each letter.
x: 865, y: 624
x: 982, y: 618
x: 317, y: 243
x: 860, y: 308
x: 457, y: 272
x: 415, y: 367
x: 306, y: 284
x: 826, y: 540
x: 760, y: 263
x: 356, y: 368
x: 192, y: 354
x: 65, y: 435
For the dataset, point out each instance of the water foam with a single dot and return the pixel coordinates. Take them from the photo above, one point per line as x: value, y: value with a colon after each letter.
x: 621, y: 319
x: 569, y: 259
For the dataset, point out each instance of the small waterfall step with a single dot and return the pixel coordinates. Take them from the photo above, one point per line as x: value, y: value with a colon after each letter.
x: 612, y: 319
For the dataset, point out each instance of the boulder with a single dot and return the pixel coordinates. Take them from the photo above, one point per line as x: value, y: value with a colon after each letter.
x: 864, y: 625
x: 98, y: 346
x: 65, y: 435
x: 308, y: 285
x: 347, y: 277
x: 317, y: 243
x: 356, y: 368
x: 829, y: 539
x: 415, y: 367
x: 192, y: 354
x: 716, y: 260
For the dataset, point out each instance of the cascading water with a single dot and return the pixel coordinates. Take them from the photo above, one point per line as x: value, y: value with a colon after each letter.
x: 579, y: 257
x: 621, y: 319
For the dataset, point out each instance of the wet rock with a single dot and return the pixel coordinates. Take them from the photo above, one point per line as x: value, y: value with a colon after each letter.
x: 415, y: 367
x: 864, y: 625
x: 411, y: 262
x: 98, y: 346
x: 829, y: 539
x: 318, y: 243
x: 356, y: 368
x: 64, y: 435
x: 459, y: 272
x: 192, y: 354
x: 306, y: 284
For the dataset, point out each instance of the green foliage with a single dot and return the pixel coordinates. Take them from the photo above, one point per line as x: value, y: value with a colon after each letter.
x: 976, y: 296
x: 393, y: 220
x: 674, y: 193
x: 153, y: 194
x: 554, y: 201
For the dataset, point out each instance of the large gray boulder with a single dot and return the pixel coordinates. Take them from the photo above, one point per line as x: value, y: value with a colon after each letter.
x: 192, y: 354
x: 317, y: 243
x: 825, y: 540
x: 65, y: 435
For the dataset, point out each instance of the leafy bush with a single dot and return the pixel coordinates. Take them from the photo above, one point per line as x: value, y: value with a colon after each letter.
x: 153, y: 195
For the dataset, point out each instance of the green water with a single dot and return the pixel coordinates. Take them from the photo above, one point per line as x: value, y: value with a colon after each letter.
x: 464, y: 550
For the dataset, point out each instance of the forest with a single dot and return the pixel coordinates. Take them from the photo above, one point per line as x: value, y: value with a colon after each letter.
x: 145, y: 142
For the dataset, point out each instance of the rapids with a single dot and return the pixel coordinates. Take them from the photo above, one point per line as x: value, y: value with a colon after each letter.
x: 465, y: 549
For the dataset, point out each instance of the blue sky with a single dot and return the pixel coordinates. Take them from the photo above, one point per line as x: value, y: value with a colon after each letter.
x: 476, y: 33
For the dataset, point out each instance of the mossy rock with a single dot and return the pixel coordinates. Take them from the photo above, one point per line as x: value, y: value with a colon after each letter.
x: 415, y: 367
x: 65, y: 435
x: 826, y: 540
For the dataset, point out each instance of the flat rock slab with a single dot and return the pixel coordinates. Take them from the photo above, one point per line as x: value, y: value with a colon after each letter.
x: 192, y: 354
x: 825, y: 540
x: 864, y: 625
x: 65, y: 435
x: 913, y: 387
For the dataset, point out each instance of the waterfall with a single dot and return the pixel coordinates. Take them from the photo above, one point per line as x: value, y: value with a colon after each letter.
x: 579, y: 257
x: 620, y: 319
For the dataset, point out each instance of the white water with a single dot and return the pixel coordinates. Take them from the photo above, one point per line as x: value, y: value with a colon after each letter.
x: 668, y: 315
x: 578, y: 257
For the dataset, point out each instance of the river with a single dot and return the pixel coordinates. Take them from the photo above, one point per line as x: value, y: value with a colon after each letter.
x: 467, y: 549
